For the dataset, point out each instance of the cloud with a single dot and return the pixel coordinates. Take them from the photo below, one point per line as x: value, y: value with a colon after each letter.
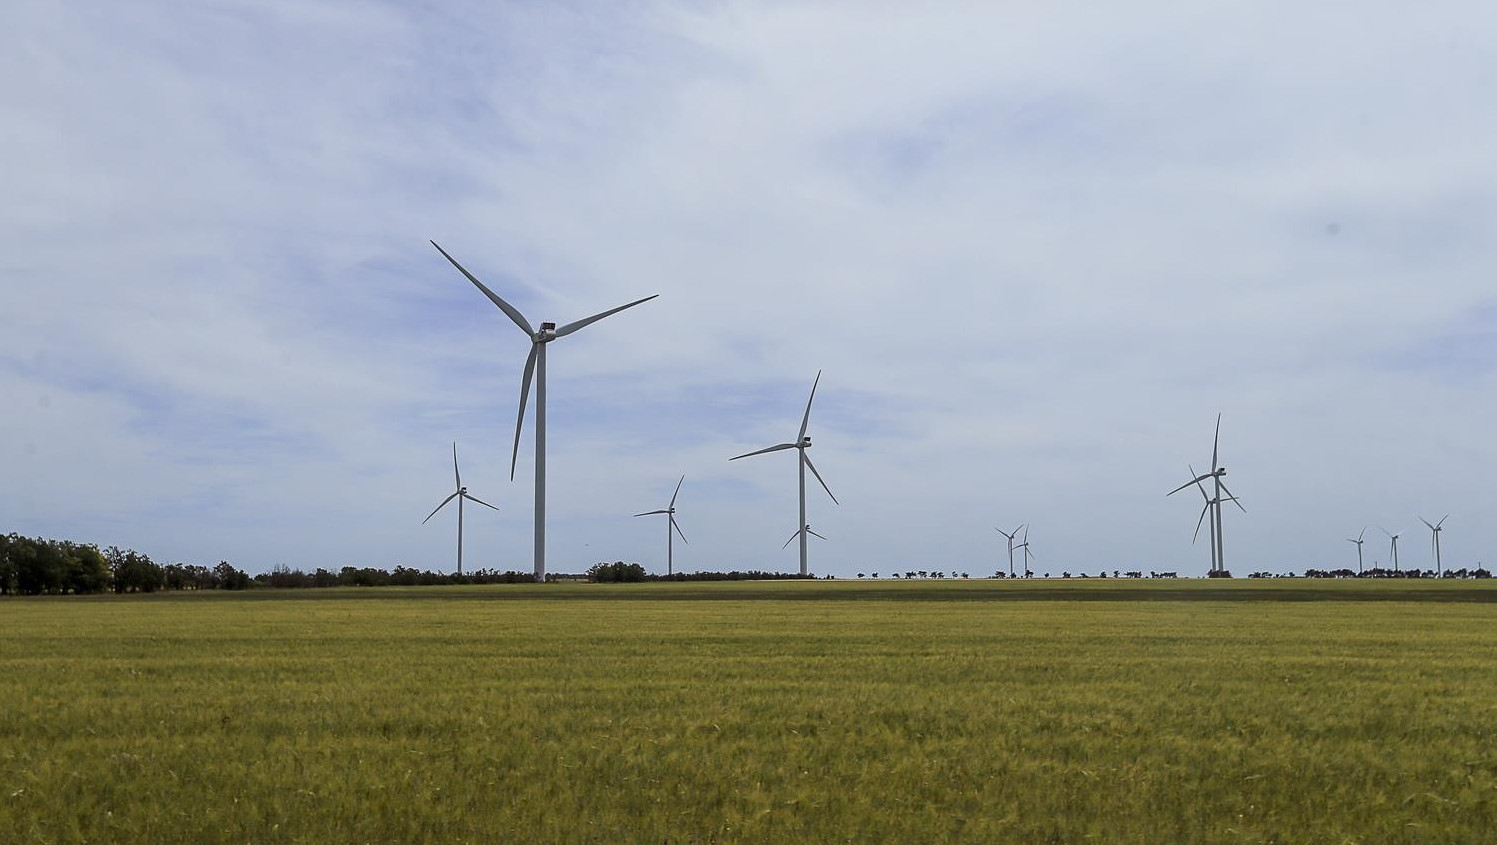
x: 1034, y: 251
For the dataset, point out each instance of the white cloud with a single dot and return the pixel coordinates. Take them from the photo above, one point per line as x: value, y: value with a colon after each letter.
x: 1035, y: 250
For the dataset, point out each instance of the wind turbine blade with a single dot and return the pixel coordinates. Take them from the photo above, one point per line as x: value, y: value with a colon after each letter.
x: 1233, y: 499
x: 678, y: 529
x: 1204, y: 510
x: 514, y: 313
x: 762, y: 451
x: 514, y: 455
x: 791, y: 540
x: 650, y: 513
x: 1026, y: 534
x: 1426, y: 522
x: 587, y: 321
x: 1442, y: 520
x: 677, y: 493
x: 813, y: 533
x: 472, y: 498
x: 1197, y: 480
x: 439, y: 507
x: 455, y: 474
x: 1363, y: 534
x: 1215, y: 441
x: 807, y: 459
x: 805, y: 419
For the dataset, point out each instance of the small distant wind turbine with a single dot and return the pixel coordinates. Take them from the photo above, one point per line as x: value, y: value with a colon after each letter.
x: 1010, y: 535
x: 460, y: 495
x: 1214, y: 503
x: 801, y: 444
x: 535, y: 365
x: 1028, y: 555
x: 1434, y: 540
x: 1393, y: 542
x: 1358, y: 541
x: 802, y: 534
x: 670, y: 512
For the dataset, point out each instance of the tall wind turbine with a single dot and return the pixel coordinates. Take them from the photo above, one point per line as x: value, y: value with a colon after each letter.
x: 670, y: 512
x: 1358, y: 541
x: 1028, y: 555
x: 1434, y: 540
x: 1010, y: 535
x: 801, y: 444
x: 1217, y: 473
x: 460, y: 495
x: 1393, y: 541
x: 535, y: 365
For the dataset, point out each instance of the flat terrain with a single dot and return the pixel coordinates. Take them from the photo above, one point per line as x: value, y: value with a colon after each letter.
x: 979, y: 711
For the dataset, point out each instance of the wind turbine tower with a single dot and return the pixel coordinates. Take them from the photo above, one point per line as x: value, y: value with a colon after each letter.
x: 670, y: 512
x: 535, y: 365
x: 460, y: 495
x: 1434, y: 540
x: 801, y: 444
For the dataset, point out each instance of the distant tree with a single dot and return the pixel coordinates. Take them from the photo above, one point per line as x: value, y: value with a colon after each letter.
x: 230, y: 578
x: 7, y: 567
x: 616, y: 572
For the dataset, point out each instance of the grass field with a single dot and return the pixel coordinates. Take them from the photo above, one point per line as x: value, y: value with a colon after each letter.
x: 1145, y: 712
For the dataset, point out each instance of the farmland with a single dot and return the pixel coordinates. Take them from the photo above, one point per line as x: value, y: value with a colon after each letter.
x: 1287, y: 711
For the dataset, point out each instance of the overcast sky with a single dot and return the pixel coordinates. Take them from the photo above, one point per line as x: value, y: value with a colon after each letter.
x: 1035, y: 248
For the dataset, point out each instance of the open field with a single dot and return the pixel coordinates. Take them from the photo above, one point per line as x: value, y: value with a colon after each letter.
x: 981, y: 711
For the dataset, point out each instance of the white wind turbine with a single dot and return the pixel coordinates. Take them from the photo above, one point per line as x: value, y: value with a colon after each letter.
x: 801, y: 444
x: 670, y: 512
x: 1393, y: 541
x: 1214, y: 503
x: 1434, y: 540
x: 1028, y: 555
x: 1358, y: 541
x: 460, y: 495
x: 535, y: 365
x: 1010, y: 535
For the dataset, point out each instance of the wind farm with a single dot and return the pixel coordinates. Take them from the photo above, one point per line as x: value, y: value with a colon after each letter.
x: 268, y: 267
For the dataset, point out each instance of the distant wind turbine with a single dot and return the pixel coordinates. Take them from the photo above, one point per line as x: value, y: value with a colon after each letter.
x: 1010, y: 535
x: 801, y: 444
x: 1028, y: 555
x: 1393, y: 542
x: 670, y: 512
x: 460, y: 495
x: 1358, y: 541
x: 1214, y: 503
x: 535, y: 365
x: 1434, y: 540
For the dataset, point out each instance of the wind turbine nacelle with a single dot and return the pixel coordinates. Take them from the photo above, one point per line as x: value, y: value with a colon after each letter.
x: 805, y: 441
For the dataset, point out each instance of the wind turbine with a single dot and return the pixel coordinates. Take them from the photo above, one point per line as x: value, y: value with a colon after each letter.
x: 670, y: 512
x: 1209, y: 504
x: 1393, y: 539
x: 1358, y: 541
x: 460, y: 495
x: 1010, y: 535
x: 535, y: 365
x: 1217, y: 473
x: 801, y: 534
x: 1434, y: 540
x: 801, y: 444
x: 1028, y: 555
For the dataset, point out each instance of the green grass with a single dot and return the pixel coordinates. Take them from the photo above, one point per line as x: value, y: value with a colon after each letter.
x: 1192, y: 711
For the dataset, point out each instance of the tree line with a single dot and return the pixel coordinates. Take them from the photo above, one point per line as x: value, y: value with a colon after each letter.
x: 35, y: 566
